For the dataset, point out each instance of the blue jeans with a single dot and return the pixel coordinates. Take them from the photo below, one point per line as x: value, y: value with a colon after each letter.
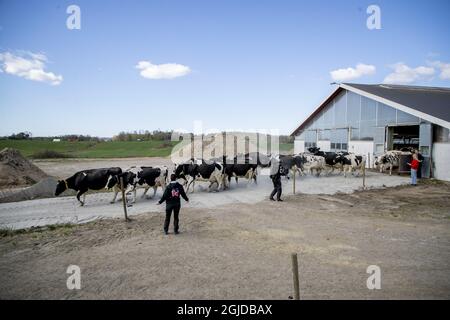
x: 413, y: 176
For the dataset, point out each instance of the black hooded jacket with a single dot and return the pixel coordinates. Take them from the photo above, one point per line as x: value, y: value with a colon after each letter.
x: 172, y: 194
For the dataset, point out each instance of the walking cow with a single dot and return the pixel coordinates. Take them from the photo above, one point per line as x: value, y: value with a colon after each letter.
x: 82, y: 181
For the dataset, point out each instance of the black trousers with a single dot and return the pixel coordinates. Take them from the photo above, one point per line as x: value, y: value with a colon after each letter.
x: 276, y: 187
x: 176, y: 210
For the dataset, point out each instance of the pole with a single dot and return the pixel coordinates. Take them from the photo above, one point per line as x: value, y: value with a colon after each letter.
x: 124, y: 199
x: 295, y: 276
x: 364, y: 176
x: 293, y: 182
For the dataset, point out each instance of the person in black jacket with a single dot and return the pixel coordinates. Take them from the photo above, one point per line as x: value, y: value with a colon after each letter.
x: 172, y: 198
x: 275, y: 175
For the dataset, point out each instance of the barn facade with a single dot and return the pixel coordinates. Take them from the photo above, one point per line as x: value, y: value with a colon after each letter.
x: 371, y: 119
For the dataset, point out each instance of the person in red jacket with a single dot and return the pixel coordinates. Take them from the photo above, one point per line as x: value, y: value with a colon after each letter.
x: 414, y: 167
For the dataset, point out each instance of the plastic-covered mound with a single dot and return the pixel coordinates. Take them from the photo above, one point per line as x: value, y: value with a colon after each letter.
x: 16, y: 170
x: 43, y: 189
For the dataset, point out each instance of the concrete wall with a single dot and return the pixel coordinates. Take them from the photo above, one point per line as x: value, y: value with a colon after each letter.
x: 324, y: 145
x: 299, y: 146
x: 363, y: 148
x: 441, y: 161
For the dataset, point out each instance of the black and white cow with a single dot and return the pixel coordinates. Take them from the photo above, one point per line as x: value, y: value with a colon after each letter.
x: 240, y: 167
x: 310, y: 163
x: 290, y: 164
x: 389, y: 160
x: 140, y: 177
x: 331, y: 158
x: 82, y: 181
x: 199, y: 170
x: 352, y: 162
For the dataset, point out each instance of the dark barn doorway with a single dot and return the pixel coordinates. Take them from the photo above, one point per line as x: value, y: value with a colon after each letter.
x: 403, y: 137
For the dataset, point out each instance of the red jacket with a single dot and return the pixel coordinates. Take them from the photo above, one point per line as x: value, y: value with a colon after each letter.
x: 414, y: 164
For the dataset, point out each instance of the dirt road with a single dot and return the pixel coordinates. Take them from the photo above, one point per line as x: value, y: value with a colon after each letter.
x: 242, y: 251
x: 25, y: 214
x: 64, y: 168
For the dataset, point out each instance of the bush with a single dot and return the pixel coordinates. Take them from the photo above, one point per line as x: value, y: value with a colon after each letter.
x: 48, y: 154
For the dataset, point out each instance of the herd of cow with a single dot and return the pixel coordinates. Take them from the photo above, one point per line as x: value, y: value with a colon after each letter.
x: 218, y: 171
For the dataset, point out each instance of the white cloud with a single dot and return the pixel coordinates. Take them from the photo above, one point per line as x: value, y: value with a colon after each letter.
x: 443, y: 67
x: 404, y: 74
x: 28, y: 65
x: 162, y: 71
x: 352, y: 73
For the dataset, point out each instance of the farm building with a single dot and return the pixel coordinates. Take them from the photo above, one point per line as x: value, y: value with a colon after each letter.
x: 371, y: 119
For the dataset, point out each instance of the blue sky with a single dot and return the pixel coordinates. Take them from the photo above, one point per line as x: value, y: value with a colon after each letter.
x: 251, y: 64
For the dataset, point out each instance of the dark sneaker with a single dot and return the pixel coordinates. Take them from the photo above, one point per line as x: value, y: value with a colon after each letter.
x: 280, y: 200
x: 272, y: 199
x: 177, y: 232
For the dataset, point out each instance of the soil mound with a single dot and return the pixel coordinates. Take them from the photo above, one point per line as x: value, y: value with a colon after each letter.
x: 16, y: 170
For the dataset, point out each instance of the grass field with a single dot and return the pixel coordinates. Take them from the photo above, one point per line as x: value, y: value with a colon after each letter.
x: 110, y: 149
x: 88, y: 149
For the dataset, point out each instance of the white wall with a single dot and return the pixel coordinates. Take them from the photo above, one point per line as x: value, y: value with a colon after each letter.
x: 299, y: 146
x: 441, y: 161
x: 324, y: 145
x: 362, y: 148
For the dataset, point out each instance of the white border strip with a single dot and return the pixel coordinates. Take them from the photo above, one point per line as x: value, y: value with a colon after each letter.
x: 398, y: 106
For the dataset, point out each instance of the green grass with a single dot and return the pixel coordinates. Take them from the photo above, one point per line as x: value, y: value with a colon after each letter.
x: 87, y: 149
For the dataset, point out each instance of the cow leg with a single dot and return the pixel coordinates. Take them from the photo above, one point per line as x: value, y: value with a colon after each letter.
x: 145, y: 191
x: 79, y: 194
x: 189, y: 184
x: 134, y: 195
x: 116, y: 192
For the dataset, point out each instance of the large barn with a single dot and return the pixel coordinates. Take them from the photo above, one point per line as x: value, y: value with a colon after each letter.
x: 370, y: 119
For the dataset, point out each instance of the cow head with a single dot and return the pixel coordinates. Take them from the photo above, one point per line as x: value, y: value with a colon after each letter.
x: 61, y: 187
x: 180, y: 172
x: 313, y: 150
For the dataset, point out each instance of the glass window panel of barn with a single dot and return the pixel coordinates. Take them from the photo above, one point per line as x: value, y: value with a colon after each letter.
x: 354, y: 134
x: 386, y: 115
x: 368, y: 119
x: 406, y: 118
x: 340, y: 111
x: 319, y: 121
x: 353, y: 109
x: 324, y: 134
x: 328, y: 116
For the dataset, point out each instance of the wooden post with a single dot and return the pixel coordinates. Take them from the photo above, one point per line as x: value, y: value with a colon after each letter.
x: 295, y: 276
x: 364, y: 176
x: 293, y: 187
x: 368, y: 159
x: 124, y: 199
